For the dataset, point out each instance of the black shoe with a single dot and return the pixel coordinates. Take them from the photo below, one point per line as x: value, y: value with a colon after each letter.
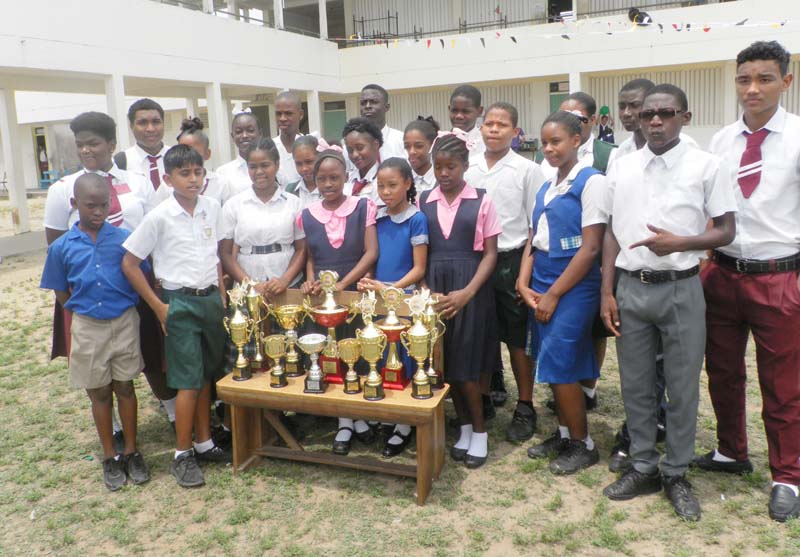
x: 591, y: 403
x: 136, y: 468
x: 119, y: 441
x: 114, y: 473
x: 186, y: 470
x: 488, y: 408
x: 366, y: 437
x: 214, y: 454
x: 394, y: 449
x: 458, y: 454
x: 386, y: 430
x: 577, y: 456
x: 523, y: 424
x: 499, y: 398
x: 343, y: 447
x: 679, y: 493
x: 552, y: 446
x: 222, y: 438
x: 619, y: 460
x: 472, y: 462
x: 632, y: 484
x: 783, y: 503
x: 707, y: 462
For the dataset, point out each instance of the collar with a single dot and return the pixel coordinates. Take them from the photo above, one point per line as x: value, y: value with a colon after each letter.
x: 369, y: 176
x: 114, y: 171
x: 587, y: 147
x: 324, y: 216
x: 428, y: 178
x: 76, y: 233
x: 144, y: 154
x: 467, y: 192
x: 509, y: 159
x: 279, y: 144
x: 572, y: 174
x: 174, y: 208
x: 400, y: 218
x: 775, y: 124
x: 277, y: 197
x: 670, y: 158
x: 302, y: 187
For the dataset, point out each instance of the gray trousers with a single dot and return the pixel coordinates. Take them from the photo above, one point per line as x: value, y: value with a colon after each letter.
x: 675, y: 313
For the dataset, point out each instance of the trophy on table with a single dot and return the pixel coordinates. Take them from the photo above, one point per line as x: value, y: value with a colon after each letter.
x: 373, y: 342
x: 393, y: 372
x: 350, y: 352
x: 312, y: 344
x: 416, y: 341
x: 257, y: 308
x: 275, y: 347
x: 239, y: 329
x: 329, y: 314
x: 289, y: 317
x: 436, y: 327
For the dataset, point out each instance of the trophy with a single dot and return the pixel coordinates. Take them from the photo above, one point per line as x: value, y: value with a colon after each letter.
x: 350, y: 352
x: 393, y: 371
x: 312, y: 344
x: 239, y: 329
x: 436, y: 327
x: 257, y: 308
x: 275, y: 347
x: 289, y: 317
x: 373, y: 342
x: 417, y: 340
x: 330, y: 315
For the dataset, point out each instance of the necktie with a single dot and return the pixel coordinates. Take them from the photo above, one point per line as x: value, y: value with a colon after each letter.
x: 359, y: 185
x: 155, y: 178
x: 750, y: 165
x: 114, y: 207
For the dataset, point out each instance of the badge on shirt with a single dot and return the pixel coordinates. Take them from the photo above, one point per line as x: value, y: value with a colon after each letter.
x: 207, y: 232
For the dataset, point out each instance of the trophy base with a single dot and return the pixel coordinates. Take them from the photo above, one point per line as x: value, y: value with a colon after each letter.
x: 314, y: 386
x: 421, y: 391
x: 352, y: 387
x: 242, y: 374
x: 373, y: 392
x: 436, y: 380
x: 293, y: 369
x: 331, y: 369
x: 278, y: 381
x: 259, y: 366
x: 394, y: 379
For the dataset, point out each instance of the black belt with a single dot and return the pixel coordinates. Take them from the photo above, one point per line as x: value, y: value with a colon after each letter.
x: 515, y: 253
x: 263, y: 250
x: 647, y: 276
x: 195, y: 291
x: 756, y: 266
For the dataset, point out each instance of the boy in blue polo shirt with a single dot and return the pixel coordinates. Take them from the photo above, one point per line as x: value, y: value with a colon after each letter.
x: 84, y: 268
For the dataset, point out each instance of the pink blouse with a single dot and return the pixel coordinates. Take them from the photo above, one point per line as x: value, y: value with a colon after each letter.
x: 336, y: 221
x: 488, y: 224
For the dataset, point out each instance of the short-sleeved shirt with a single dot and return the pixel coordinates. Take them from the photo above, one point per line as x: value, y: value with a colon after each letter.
x: 336, y: 221
x: 183, y: 245
x: 136, y: 161
x: 425, y: 181
x: 91, y: 272
x: 307, y: 198
x: 397, y: 237
x: 237, y: 175
x: 677, y: 191
x: 287, y: 172
x: 214, y: 186
x: 370, y: 190
x: 629, y: 146
x: 393, y: 145
x: 488, y: 224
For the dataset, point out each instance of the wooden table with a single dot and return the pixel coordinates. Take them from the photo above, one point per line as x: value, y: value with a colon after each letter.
x: 253, y: 437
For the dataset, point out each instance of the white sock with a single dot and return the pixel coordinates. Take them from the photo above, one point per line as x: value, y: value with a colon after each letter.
x: 344, y: 435
x: 588, y: 392
x: 361, y: 426
x: 402, y: 430
x: 479, y: 444
x: 719, y: 457
x: 179, y: 452
x: 169, y: 408
x: 115, y: 421
x: 563, y: 431
x: 589, y: 442
x: 466, y: 435
x: 204, y: 446
x: 226, y: 428
x: 790, y: 486
x: 116, y: 457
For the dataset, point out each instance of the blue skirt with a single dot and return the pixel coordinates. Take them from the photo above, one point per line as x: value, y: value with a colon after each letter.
x: 563, y: 347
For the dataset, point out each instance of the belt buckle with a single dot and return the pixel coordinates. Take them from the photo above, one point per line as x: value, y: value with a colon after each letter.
x: 199, y: 292
x: 644, y: 276
x: 741, y: 266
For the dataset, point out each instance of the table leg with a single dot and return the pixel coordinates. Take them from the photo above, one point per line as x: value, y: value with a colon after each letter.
x: 425, y: 442
x: 274, y: 419
x: 438, y: 440
x: 247, y: 436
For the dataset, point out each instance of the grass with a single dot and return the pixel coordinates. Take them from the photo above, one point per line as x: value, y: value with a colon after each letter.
x: 52, y: 500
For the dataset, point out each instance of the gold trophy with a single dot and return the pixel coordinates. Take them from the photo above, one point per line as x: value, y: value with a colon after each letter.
x: 393, y: 371
x: 436, y: 327
x: 275, y: 347
x: 257, y: 308
x: 289, y: 317
x: 330, y: 315
x: 416, y: 341
x: 239, y: 330
x: 373, y: 342
x: 312, y: 344
x: 350, y: 352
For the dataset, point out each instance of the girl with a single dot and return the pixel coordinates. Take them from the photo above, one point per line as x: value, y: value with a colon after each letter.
x: 363, y: 140
x: 418, y: 140
x: 245, y: 131
x: 304, y: 153
x: 340, y: 235
x: 564, y: 291
x: 463, y: 229
x: 403, y: 255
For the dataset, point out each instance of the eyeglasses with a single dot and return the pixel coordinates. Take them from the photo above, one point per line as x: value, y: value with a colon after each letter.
x: 662, y: 113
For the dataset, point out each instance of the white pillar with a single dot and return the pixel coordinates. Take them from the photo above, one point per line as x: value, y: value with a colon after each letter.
x: 218, y: 125
x: 277, y: 7
x: 192, y: 108
x: 117, y: 109
x: 348, y: 18
x: 273, y: 123
x: 730, y: 102
x: 314, y: 113
x: 323, y: 20
x: 574, y: 82
x: 233, y: 8
x: 12, y: 156
x: 208, y: 6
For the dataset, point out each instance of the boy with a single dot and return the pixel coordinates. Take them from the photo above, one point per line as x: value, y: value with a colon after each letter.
x: 660, y: 199
x: 751, y: 285
x: 374, y: 104
x: 83, y: 266
x: 182, y: 234
x: 465, y: 108
x: 511, y: 181
x: 288, y: 115
x: 146, y: 156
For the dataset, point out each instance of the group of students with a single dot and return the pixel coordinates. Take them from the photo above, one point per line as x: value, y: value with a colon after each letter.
x: 548, y: 258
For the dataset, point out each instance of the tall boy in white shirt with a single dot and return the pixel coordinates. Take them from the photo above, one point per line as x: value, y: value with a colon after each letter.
x: 146, y: 156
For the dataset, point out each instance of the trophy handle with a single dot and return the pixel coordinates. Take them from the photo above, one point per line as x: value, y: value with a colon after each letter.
x: 358, y: 333
x: 352, y: 312
x: 226, y: 324
x: 383, y: 343
x: 404, y: 341
x: 307, y: 307
x: 437, y: 332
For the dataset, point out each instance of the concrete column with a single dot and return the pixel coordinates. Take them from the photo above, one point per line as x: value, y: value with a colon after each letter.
x: 314, y: 112
x: 323, y: 19
x: 218, y: 124
x: 12, y: 156
x: 208, y: 6
x: 233, y: 8
x: 192, y: 108
x: 118, y: 109
x: 273, y: 123
x: 574, y: 82
x: 277, y: 7
x: 348, y: 18
x: 730, y: 102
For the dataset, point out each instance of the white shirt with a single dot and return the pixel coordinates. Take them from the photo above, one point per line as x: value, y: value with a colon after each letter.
x: 511, y: 184
x: 768, y: 222
x: 249, y: 222
x: 392, y: 144
x: 134, y: 192
x: 215, y: 186
x: 677, y: 191
x: 183, y: 246
x: 370, y: 190
x: 629, y: 146
x: 136, y: 160
x: 585, y: 157
x: 425, y: 182
x: 307, y: 197
x: 237, y: 175
x: 592, y: 204
x: 287, y: 173
x: 475, y: 136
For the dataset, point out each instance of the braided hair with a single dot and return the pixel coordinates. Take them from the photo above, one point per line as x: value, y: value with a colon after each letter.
x: 451, y: 146
x: 402, y: 166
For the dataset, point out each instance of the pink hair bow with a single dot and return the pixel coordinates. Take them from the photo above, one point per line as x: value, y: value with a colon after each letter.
x: 460, y: 134
x: 323, y: 145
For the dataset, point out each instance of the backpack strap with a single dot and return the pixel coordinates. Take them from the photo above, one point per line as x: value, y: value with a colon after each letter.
x: 121, y: 160
x: 602, y: 152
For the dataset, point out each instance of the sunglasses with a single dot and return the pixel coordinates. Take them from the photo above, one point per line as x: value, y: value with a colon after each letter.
x: 662, y: 113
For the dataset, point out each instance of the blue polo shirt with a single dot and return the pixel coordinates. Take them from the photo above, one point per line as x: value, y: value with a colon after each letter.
x: 91, y: 272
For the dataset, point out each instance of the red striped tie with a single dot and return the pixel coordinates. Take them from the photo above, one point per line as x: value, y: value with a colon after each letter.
x: 359, y: 185
x: 155, y: 178
x: 114, y: 207
x: 750, y: 165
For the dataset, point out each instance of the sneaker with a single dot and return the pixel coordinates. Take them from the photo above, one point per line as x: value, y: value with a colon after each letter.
x: 679, y: 493
x: 707, y: 463
x: 114, y: 473
x: 119, y: 441
x: 591, y: 403
x: 136, y: 468
x: 215, y: 454
x: 577, y: 456
x: 186, y: 470
x: 222, y: 438
x: 523, y: 424
x: 632, y: 484
x: 552, y: 446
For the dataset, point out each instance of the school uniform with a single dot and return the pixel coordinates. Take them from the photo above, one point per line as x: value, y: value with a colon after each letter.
x: 511, y: 184
x: 585, y: 158
x: 661, y: 297
x: 237, y: 175
x: 300, y: 190
x: 425, y: 181
x: 151, y: 166
x: 564, y: 344
x: 751, y: 286
x: 287, y: 172
x: 629, y: 146
x: 364, y: 187
x: 393, y: 145
x: 456, y: 232
x: 215, y: 186
x: 184, y: 251
x: 475, y: 139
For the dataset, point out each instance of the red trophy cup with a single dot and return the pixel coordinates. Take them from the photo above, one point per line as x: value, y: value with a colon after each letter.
x: 393, y: 371
x: 330, y: 315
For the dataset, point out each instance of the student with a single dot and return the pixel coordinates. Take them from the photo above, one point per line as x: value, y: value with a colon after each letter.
x: 563, y: 271
x: 363, y: 141
x: 288, y: 115
x: 374, y: 104
x: 511, y: 182
x: 660, y: 199
x: 605, y: 127
x: 104, y: 355
x: 304, y: 154
x: 418, y: 139
x: 146, y: 156
x: 463, y: 229
x: 465, y: 109
x: 340, y: 236
x: 751, y: 284
x: 181, y: 234
x: 245, y: 131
